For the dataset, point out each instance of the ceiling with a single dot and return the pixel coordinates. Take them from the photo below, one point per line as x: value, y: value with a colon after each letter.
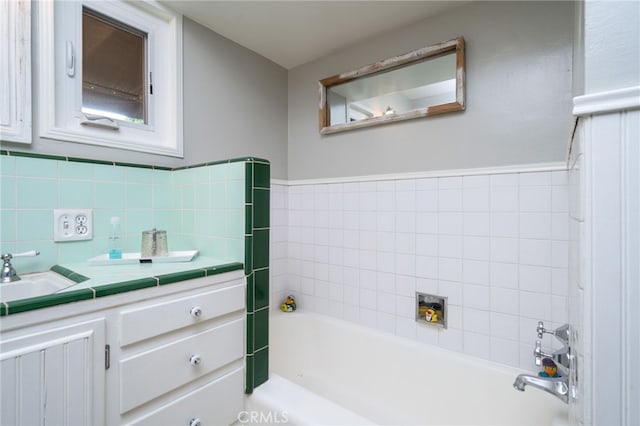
x: 293, y: 32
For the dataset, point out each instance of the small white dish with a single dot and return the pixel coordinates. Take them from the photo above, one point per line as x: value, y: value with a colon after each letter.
x: 130, y: 258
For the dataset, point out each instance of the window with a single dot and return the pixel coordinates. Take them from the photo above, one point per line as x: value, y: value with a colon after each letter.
x: 114, y: 59
x: 15, y: 71
x: 111, y: 74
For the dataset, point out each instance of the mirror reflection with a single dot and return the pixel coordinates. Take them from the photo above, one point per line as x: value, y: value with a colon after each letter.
x: 424, y: 82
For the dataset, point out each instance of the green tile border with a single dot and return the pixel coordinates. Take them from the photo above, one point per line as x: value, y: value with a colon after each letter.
x: 68, y: 273
x: 180, y: 276
x: 261, y: 288
x: 249, y: 374
x: 48, y: 300
x: 227, y: 267
x: 261, y: 367
x: 256, y: 265
x: 123, y: 287
x: 250, y: 294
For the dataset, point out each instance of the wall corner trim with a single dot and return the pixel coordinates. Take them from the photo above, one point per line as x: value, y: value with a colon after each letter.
x: 517, y: 168
x: 609, y: 101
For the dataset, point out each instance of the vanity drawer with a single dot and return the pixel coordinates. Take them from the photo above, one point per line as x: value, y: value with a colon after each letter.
x: 150, y: 374
x: 149, y: 321
x: 216, y: 403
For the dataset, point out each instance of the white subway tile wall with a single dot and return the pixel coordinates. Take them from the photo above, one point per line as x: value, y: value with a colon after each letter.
x: 495, y: 245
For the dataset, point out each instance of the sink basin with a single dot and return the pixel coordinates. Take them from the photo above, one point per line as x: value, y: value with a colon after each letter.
x: 32, y: 285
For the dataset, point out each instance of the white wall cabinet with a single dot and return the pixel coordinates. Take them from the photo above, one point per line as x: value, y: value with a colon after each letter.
x: 15, y: 71
x: 170, y: 355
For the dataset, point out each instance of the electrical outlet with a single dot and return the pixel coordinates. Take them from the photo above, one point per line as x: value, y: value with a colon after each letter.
x: 72, y: 224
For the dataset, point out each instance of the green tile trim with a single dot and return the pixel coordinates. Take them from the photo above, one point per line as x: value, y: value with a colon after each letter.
x: 109, y: 289
x: 181, y: 276
x: 123, y: 287
x: 227, y: 267
x: 48, y: 300
x: 250, y: 295
x: 257, y: 220
x: 216, y: 163
x: 261, y: 211
x: 248, y: 254
x: 249, y: 374
x: 123, y: 164
x: 261, y: 329
x: 247, y: 159
x: 248, y: 179
x: 248, y: 219
x: 34, y: 155
x: 250, y: 333
x: 261, y: 367
x: 261, y: 175
x: 260, y: 248
x: 90, y: 161
x: 68, y: 273
x: 261, y: 288
x: 137, y: 166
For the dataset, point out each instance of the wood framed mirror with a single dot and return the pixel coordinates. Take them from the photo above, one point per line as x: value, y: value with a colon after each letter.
x: 420, y: 83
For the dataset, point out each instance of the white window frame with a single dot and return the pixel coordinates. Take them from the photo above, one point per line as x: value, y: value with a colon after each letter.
x: 60, y: 102
x: 15, y: 73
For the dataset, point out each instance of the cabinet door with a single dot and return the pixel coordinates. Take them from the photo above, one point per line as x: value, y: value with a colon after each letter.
x: 53, y: 376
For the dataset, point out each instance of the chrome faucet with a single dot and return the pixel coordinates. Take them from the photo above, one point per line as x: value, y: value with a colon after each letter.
x: 561, y: 333
x: 557, y: 386
x: 564, y: 359
x: 562, y: 356
x: 8, y: 273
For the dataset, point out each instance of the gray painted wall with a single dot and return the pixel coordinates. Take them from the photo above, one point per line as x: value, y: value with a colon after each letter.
x: 519, y: 96
x: 234, y: 105
x: 235, y: 101
x: 611, y: 45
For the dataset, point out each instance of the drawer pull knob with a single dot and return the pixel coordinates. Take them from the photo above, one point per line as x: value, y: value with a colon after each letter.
x: 195, y: 360
x: 196, y: 311
x: 195, y: 422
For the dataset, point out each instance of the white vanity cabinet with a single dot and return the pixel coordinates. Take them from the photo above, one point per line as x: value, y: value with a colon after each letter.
x: 167, y: 355
x: 182, y: 358
x: 53, y: 374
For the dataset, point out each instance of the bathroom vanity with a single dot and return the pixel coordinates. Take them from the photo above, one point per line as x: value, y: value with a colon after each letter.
x: 171, y: 353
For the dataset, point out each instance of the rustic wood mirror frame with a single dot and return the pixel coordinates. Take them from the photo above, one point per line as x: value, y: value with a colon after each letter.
x: 456, y: 45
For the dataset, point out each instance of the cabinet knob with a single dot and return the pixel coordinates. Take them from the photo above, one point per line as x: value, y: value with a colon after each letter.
x: 195, y: 422
x: 195, y: 360
x: 196, y: 311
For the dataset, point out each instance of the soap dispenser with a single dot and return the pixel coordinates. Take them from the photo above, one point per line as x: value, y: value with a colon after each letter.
x: 115, y: 246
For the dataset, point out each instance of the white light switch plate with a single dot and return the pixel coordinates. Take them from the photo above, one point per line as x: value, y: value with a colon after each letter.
x: 72, y: 224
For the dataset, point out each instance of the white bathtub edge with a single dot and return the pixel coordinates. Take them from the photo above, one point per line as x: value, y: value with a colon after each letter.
x: 302, y: 407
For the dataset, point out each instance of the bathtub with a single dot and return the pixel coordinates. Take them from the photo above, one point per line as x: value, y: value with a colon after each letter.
x: 328, y: 371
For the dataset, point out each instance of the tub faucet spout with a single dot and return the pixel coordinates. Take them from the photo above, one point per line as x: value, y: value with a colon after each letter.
x: 557, y: 386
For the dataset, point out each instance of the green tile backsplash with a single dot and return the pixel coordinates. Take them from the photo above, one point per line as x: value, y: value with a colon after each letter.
x: 220, y: 208
x: 201, y: 208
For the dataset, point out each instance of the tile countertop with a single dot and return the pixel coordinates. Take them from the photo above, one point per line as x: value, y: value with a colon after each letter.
x: 95, y: 281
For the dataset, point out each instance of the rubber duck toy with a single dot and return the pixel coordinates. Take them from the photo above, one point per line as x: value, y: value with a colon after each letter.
x: 431, y: 315
x: 550, y: 368
x: 289, y: 304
